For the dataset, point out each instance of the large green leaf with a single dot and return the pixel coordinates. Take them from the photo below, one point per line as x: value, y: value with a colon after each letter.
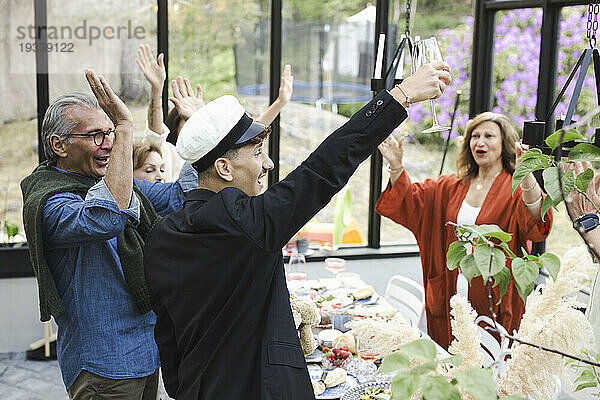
x: 513, y: 397
x: 483, y: 255
x: 438, y: 388
x: 532, y: 153
x: 586, y: 385
x: 421, y: 349
x: 508, y: 251
x: 456, y: 252
x: 546, y: 205
x: 551, y: 263
x: 584, y: 152
x: 394, y: 362
x: 528, y: 166
x: 425, y: 368
x: 585, y: 376
x: 455, y: 360
x: 502, y: 279
x: 552, y: 140
x: 404, y: 384
x: 524, y: 274
x: 583, y: 180
x: 491, y: 231
x: 552, y: 185
x: 468, y: 267
x: 479, y: 382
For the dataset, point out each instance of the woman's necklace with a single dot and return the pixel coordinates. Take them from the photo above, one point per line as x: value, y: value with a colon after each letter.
x: 480, y: 186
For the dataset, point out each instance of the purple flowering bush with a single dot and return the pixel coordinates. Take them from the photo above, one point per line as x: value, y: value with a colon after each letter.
x: 516, y: 68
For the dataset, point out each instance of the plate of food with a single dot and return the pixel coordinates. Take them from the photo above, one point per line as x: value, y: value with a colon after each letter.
x: 332, y: 383
x: 369, y: 391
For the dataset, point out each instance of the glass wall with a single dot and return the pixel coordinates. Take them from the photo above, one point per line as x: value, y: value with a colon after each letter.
x: 330, y: 50
x: 220, y: 44
x: 224, y: 45
x: 423, y: 152
x: 572, y: 42
x: 90, y: 34
x: 18, y: 114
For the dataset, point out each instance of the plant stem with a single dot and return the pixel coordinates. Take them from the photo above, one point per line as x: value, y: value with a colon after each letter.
x: 485, y: 240
x: 516, y: 339
x: 493, y: 314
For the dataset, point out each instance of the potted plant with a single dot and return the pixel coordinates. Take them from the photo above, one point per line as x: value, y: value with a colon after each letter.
x: 14, y: 253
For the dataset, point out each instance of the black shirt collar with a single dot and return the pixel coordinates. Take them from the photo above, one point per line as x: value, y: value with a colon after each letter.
x: 199, y: 195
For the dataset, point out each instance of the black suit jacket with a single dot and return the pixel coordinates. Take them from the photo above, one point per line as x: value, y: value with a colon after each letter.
x: 215, y: 268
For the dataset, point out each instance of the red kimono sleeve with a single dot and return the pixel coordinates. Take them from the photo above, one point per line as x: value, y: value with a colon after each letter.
x: 404, y: 202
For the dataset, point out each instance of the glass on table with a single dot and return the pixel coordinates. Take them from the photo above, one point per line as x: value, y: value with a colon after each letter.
x: 296, y: 267
x: 335, y: 265
x: 366, y: 351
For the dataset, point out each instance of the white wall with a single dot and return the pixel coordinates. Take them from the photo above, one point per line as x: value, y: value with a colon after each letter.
x: 19, y: 314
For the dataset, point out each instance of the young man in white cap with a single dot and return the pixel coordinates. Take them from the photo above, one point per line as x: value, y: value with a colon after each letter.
x: 215, y: 268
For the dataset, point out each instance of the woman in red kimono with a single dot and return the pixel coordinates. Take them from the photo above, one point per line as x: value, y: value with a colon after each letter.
x: 480, y: 193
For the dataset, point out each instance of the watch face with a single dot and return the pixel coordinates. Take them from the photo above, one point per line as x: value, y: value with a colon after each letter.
x: 586, y: 224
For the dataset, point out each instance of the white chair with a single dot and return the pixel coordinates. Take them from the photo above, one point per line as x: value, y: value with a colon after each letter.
x: 408, y: 297
x: 494, y: 352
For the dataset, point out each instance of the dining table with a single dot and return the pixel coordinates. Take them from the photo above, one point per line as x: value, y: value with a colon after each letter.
x: 338, y: 307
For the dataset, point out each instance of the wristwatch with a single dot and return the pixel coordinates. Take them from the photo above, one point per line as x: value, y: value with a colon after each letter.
x: 586, y: 222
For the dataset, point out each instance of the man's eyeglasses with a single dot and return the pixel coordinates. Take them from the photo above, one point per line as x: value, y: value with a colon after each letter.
x: 98, y: 136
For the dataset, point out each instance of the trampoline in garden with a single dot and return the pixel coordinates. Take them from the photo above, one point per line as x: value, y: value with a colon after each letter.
x: 331, y: 63
x: 311, y: 92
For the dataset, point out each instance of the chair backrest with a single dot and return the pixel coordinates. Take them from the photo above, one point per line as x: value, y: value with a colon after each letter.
x: 493, y: 352
x: 406, y: 296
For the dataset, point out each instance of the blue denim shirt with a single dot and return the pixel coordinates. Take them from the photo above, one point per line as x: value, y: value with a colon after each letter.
x: 101, y: 330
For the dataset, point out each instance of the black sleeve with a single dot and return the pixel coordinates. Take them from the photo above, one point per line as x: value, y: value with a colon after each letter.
x: 272, y: 218
x: 164, y: 334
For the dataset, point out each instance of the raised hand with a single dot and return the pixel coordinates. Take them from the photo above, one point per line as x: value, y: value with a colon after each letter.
x: 186, y: 103
x: 520, y: 150
x: 112, y: 105
x: 287, y: 85
x: 153, y: 70
x: 428, y: 82
x: 580, y: 204
x: 391, y: 149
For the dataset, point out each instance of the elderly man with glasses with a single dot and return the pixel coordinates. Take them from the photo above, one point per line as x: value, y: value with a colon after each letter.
x: 86, y: 219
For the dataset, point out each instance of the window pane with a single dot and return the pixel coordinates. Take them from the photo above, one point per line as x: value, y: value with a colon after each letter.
x: 224, y: 46
x: 423, y: 152
x: 516, y: 64
x: 103, y: 36
x: 18, y: 111
x: 572, y: 42
x: 331, y: 58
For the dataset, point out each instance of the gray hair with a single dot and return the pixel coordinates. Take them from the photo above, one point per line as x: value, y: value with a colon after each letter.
x: 57, y: 123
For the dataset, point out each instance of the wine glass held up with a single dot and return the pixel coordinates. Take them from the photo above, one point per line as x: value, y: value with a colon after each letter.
x: 428, y: 51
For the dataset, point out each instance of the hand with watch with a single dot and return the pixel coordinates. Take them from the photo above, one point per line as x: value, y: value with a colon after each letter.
x: 586, y: 222
x: 583, y: 208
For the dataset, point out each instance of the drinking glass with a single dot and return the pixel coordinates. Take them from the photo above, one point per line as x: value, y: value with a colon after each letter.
x: 297, y: 267
x: 335, y: 265
x: 426, y: 52
x: 366, y: 352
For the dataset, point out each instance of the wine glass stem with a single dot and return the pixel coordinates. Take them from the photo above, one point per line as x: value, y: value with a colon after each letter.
x: 434, y: 113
